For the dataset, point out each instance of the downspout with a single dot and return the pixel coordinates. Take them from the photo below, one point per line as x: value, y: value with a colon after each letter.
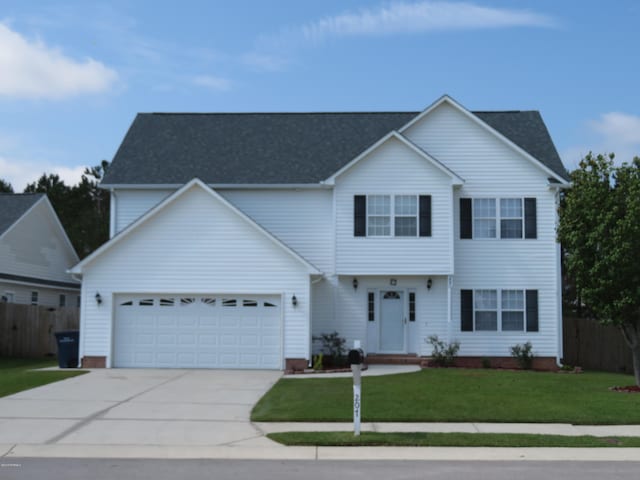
x: 560, y: 347
x: 81, y: 345
x: 313, y: 282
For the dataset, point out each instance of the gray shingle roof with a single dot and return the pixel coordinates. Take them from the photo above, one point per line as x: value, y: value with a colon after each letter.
x: 278, y: 148
x: 13, y: 206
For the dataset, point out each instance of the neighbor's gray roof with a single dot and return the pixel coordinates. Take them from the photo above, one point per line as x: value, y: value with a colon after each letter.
x: 13, y: 206
x: 279, y: 148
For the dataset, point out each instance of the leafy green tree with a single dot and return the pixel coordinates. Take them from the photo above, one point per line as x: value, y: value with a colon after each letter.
x: 600, y: 232
x: 83, y: 208
x: 5, y: 187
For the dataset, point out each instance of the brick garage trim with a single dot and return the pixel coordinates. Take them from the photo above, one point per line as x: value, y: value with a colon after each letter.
x: 539, y: 363
x: 295, y: 364
x: 94, y: 362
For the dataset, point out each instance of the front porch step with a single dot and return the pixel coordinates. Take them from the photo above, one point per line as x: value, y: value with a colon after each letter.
x: 382, y: 359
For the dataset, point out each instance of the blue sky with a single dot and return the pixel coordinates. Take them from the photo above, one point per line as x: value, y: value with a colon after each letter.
x: 73, y: 74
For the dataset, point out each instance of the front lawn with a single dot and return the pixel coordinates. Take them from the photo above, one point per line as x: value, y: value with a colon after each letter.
x: 456, y: 395
x: 421, y: 439
x: 16, y: 374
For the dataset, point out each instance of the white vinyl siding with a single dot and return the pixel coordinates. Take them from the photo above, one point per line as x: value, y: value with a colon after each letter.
x: 131, y: 204
x: 181, y: 251
x: 302, y: 219
x: 337, y: 306
x: 393, y: 170
x: 49, y: 297
x: 492, y: 169
x: 35, y: 247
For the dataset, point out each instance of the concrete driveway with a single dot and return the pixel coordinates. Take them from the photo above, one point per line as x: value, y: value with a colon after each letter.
x: 139, y: 407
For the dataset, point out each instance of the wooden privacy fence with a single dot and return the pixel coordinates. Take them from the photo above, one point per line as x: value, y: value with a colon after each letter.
x: 595, y: 347
x: 28, y: 330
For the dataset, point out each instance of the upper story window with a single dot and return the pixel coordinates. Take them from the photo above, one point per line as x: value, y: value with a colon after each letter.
x: 34, y: 298
x: 379, y: 216
x: 498, y: 218
x: 392, y: 215
x: 62, y: 300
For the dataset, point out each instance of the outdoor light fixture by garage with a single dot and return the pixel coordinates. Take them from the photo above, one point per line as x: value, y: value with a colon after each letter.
x: 98, y: 298
x: 355, y: 283
x: 429, y: 284
x: 294, y: 301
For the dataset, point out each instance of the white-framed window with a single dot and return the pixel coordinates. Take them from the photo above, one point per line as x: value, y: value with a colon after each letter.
x: 379, y: 216
x: 485, y: 306
x: 484, y: 218
x: 512, y: 313
x: 511, y: 218
x: 34, y: 297
x: 62, y: 300
x: 406, y: 215
x: 392, y: 215
x: 498, y: 218
x: 8, y: 296
x: 495, y: 310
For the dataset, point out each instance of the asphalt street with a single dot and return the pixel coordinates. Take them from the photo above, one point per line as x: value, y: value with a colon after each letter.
x: 103, y: 469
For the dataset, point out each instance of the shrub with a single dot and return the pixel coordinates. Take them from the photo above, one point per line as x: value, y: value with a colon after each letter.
x: 443, y: 354
x: 332, y: 347
x: 523, y: 354
x: 317, y: 363
x: 486, y: 362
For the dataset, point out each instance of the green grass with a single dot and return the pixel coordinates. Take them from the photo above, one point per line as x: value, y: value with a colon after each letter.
x: 16, y: 374
x: 347, y: 439
x: 456, y: 395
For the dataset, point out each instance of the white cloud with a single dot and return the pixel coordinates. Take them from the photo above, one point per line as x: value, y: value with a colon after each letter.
x: 265, y: 62
x: 618, y: 127
x: 212, y: 82
x: 613, y: 132
x: 21, y: 172
x: 31, y: 69
x: 420, y: 17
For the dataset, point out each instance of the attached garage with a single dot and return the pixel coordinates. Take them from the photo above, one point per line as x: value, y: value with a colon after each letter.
x: 137, y: 310
x: 198, y: 331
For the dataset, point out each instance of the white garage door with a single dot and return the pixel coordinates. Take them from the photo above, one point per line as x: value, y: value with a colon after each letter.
x: 197, y: 331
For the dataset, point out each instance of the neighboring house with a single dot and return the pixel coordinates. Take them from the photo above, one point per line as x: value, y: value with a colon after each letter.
x: 35, y: 253
x: 238, y: 237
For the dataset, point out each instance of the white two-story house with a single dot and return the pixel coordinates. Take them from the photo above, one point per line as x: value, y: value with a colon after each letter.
x: 236, y: 238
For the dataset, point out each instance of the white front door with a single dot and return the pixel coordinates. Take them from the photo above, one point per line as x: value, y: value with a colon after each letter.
x: 392, y: 322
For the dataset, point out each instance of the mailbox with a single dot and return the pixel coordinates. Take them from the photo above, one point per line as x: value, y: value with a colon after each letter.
x: 356, y: 356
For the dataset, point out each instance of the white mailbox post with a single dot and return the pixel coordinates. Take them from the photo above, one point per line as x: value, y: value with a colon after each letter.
x: 356, y: 357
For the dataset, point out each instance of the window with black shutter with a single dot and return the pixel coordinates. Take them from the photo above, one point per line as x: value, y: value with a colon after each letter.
x: 530, y: 218
x: 466, y: 310
x: 425, y: 215
x: 466, y: 218
x: 532, y: 310
x: 360, y: 215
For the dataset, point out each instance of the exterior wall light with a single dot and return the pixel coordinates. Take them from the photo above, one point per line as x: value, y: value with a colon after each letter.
x: 429, y: 284
x: 393, y: 281
x: 294, y: 301
x: 355, y: 283
x: 98, y: 298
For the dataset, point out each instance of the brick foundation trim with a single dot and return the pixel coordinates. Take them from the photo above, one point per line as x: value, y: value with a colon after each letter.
x: 539, y: 363
x: 94, y: 362
x: 295, y: 364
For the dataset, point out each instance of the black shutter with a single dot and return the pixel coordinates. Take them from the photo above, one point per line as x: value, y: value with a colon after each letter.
x: 466, y: 310
x: 360, y: 216
x: 465, y: 218
x: 425, y: 215
x: 532, y: 310
x: 530, y: 218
